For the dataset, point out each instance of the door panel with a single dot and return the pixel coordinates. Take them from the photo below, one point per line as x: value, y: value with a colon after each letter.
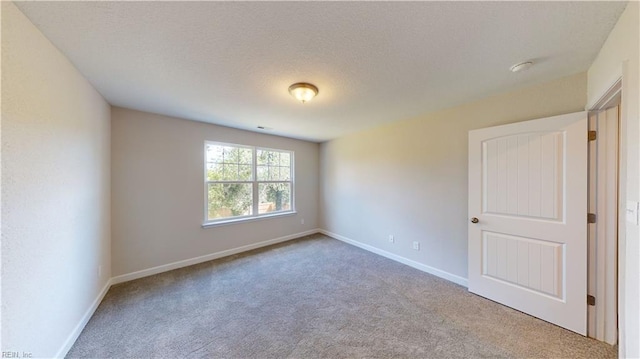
x: 528, y: 263
x: 523, y: 175
x: 528, y: 189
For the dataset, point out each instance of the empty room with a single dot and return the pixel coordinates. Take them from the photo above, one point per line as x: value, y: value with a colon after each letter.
x: 320, y: 179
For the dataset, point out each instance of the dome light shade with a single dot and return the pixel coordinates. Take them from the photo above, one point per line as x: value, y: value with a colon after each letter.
x: 303, y: 91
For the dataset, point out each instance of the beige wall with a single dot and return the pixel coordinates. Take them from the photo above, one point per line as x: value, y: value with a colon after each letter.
x: 158, y: 191
x: 55, y: 192
x: 617, y: 59
x: 409, y: 178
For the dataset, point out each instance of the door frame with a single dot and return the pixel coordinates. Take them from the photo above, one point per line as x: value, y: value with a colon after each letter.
x: 603, y: 319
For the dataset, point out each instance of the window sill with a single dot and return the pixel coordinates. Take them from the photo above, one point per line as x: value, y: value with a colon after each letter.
x: 247, y: 219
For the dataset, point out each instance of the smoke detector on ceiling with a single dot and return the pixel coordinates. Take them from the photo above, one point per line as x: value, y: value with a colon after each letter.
x: 521, y: 66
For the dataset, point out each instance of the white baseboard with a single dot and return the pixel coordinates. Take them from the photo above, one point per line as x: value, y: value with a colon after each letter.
x: 75, y: 333
x: 411, y: 263
x: 207, y: 257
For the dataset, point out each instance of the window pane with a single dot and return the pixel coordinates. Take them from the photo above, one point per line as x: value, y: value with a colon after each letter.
x: 274, y: 197
x: 285, y: 159
x: 285, y: 173
x: 214, y: 172
x: 246, y: 156
x: 266, y: 157
x: 273, y: 165
x: 229, y: 200
x: 227, y: 153
x: 230, y: 172
x: 229, y: 163
x: 214, y: 153
x: 274, y: 158
x: 244, y: 173
x: 261, y: 157
x: 236, y: 155
x: 263, y: 173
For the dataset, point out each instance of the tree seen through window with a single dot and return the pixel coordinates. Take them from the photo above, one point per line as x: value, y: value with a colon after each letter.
x: 245, y: 181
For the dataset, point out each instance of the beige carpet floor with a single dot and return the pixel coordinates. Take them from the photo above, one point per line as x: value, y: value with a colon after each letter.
x: 314, y: 297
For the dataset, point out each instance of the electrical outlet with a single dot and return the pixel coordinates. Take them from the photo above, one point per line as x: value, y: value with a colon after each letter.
x: 391, y: 239
x: 302, y: 221
x: 416, y: 245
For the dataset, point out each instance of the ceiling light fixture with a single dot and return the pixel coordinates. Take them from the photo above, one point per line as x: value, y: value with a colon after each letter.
x: 303, y: 91
x: 521, y: 66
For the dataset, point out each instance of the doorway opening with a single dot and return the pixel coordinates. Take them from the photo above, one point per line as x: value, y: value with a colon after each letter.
x: 602, y: 288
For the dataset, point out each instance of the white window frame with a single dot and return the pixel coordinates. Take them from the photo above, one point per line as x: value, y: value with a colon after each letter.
x: 254, y: 183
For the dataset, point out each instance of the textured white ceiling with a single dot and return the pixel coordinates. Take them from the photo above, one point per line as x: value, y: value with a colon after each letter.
x: 231, y: 63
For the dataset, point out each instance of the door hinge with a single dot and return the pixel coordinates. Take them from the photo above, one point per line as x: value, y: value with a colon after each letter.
x: 591, y: 218
x: 592, y: 135
x: 591, y: 300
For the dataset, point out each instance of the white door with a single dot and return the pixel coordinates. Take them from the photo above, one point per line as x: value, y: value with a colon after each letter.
x: 528, y: 192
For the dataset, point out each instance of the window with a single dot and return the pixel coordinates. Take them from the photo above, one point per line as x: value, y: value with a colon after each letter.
x: 243, y: 182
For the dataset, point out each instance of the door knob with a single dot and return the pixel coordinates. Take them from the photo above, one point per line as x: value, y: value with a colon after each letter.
x: 474, y: 220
